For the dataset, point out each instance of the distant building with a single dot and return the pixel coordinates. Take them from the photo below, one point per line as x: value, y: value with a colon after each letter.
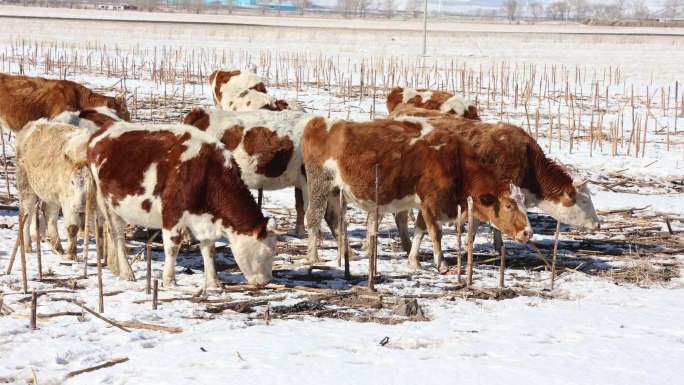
x: 116, y: 7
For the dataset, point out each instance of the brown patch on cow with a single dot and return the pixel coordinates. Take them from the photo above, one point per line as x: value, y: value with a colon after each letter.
x: 199, y: 185
x: 259, y: 87
x: 232, y: 137
x: 176, y: 239
x: 24, y: 99
x: 278, y: 105
x: 219, y: 78
x: 146, y: 205
x: 198, y: 118
x: 243, y: 93
x: 100, y: 120
x: 274, y: 152
x: 471, y: 113
x: 249, y: 102
x: 394, y: 98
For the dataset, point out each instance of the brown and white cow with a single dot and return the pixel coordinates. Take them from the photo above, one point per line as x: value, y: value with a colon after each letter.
x: 24, y: 99
x: 239, y: 90
x: 175, y: 177
x: 266, y: 145
x: 445, y: 102
x: 514, y: 154
x: 418, y: 167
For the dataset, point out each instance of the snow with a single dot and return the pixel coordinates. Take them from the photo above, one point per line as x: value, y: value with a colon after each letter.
x: 596, y: 329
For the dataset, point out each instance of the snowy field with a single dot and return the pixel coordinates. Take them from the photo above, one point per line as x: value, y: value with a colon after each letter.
x: 614, y: 316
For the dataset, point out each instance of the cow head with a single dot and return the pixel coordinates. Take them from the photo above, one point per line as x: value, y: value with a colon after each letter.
x: 574, y: 206
x: 254, y: 252
x: 505, y: 210
x: 118, y: 104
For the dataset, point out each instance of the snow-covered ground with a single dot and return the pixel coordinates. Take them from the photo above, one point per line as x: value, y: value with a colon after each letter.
x: 615, y: 315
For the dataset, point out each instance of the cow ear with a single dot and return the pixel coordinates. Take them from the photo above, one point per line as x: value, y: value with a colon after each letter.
x: 487, y: 199
x: 578, y: 184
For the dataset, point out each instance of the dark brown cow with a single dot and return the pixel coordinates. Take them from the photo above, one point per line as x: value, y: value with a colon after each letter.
x: 175, y: 177
x: 24, y: 99
x: 418, y: 167
x: 514, y: 154
x: 432, y: 100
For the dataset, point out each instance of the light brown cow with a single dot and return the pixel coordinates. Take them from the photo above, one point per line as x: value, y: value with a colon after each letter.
x: 48, y: 170
x: 418, y: 167
x: 176, y: 177
x: 432, y: 100
x: 24, y: 99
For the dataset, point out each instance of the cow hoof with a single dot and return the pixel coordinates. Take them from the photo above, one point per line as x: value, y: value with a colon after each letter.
x: 415, y: 266
x: 169, y: 284
x: 312, y: 260
x: 72, y: 256
x: 128, y: 276
x: 300, y: 232
x: 212, y: 288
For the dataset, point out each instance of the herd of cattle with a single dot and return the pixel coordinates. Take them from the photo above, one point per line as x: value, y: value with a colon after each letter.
x: 431, y: 154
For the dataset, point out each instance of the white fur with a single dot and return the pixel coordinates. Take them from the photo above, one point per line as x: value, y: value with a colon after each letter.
x: 456, y: 103
x: 253, y: 256
x: 410, y: 93
x: 236, y: 85
x: 581, y: 214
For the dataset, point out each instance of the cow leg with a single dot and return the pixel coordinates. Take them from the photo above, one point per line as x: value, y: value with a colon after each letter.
x: 211, y: 280
x: 332, y: 218
x: 299, y: 208
x: 117, y: 227
x: 401, y: 219
x: 28, y: 206
x: 51, y: 215
x: 71, y: 221
x: 109, y: 246
x: 319, y: 187
x: 172, y: 239
x: 418, y: 234
x: 435, y: 231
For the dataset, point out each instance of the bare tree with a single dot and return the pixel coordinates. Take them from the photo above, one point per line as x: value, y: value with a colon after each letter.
x: 346, y: 7
x: 388, y: 7
x: 579, y: 8
x: 640, y: 10
x: 413, y: 7
x: 535, y: 9
x: 361, y: 7
x: 510, y: 7
x: 558, y: 10
x: 672, y: 8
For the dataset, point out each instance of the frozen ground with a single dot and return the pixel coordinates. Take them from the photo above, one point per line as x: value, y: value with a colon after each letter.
x: 615, y: 315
